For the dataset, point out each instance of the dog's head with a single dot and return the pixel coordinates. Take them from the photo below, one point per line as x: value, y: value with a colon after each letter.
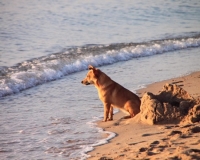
x: 92, y: 76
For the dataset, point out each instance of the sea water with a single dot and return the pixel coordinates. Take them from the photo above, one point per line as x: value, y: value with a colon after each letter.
x: 45, y: 48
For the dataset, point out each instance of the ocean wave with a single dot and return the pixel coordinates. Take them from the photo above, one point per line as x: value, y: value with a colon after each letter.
x: 40, y: 70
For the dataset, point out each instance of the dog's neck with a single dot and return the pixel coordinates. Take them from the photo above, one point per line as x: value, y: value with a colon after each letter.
x: 102, y: 85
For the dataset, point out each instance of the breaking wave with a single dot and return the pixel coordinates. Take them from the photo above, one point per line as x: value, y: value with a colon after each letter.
x: 40, y: 70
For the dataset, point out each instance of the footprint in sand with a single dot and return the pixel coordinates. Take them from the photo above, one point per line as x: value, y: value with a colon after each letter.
x: 150, y: 134
x: 143, y: 149
x: 152, y: 149
x: 195, y: 129
x: 155, y: 143
x: 174, y: 132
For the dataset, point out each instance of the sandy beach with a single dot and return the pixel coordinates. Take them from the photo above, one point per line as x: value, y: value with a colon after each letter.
x: 138, y: 140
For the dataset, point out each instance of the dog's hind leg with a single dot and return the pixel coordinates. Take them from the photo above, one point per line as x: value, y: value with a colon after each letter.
x: 132, y: 108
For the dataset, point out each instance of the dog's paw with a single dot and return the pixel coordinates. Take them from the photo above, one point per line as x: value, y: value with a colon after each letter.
x: 110, y: 119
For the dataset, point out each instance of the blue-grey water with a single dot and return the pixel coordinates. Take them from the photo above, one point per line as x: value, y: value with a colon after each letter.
x: 45, y: 48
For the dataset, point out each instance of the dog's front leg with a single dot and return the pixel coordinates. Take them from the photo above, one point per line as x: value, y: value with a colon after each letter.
x: 106, y: 111
x: 111, y: 113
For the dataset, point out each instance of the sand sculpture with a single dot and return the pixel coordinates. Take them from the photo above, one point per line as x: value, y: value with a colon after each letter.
x: 172, y: 104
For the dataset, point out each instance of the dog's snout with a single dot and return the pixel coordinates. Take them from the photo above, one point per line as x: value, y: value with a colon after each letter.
x: 85, y: 82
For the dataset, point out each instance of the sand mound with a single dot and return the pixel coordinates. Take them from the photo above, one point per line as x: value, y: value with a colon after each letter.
x: 172, y: 104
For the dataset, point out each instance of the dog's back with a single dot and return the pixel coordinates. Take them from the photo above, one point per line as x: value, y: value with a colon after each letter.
x: 113, y: 93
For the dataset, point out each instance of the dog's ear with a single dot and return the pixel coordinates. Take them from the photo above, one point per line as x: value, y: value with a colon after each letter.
x: 96, y: 72
x: 90, y: 67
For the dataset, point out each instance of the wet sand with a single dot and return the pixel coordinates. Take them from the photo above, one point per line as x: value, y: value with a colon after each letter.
x: 136, y: 140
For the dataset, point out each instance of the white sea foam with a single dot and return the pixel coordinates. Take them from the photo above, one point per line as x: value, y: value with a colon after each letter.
x: 88, y: 148
x: 44, y: 70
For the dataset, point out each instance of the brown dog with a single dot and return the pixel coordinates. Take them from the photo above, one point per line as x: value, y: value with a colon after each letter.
x: 112, y: 94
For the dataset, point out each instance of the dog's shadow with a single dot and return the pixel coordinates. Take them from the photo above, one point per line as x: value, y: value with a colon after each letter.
x: 121, y: 119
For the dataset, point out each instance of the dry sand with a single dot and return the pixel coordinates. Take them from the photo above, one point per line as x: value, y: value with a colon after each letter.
x: 136, y: 140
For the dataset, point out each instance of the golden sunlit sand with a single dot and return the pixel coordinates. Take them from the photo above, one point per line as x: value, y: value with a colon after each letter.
x: 137, y: 140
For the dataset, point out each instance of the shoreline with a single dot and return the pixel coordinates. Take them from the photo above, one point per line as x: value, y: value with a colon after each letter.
x: 184, y: 82
x: 136, y: 140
